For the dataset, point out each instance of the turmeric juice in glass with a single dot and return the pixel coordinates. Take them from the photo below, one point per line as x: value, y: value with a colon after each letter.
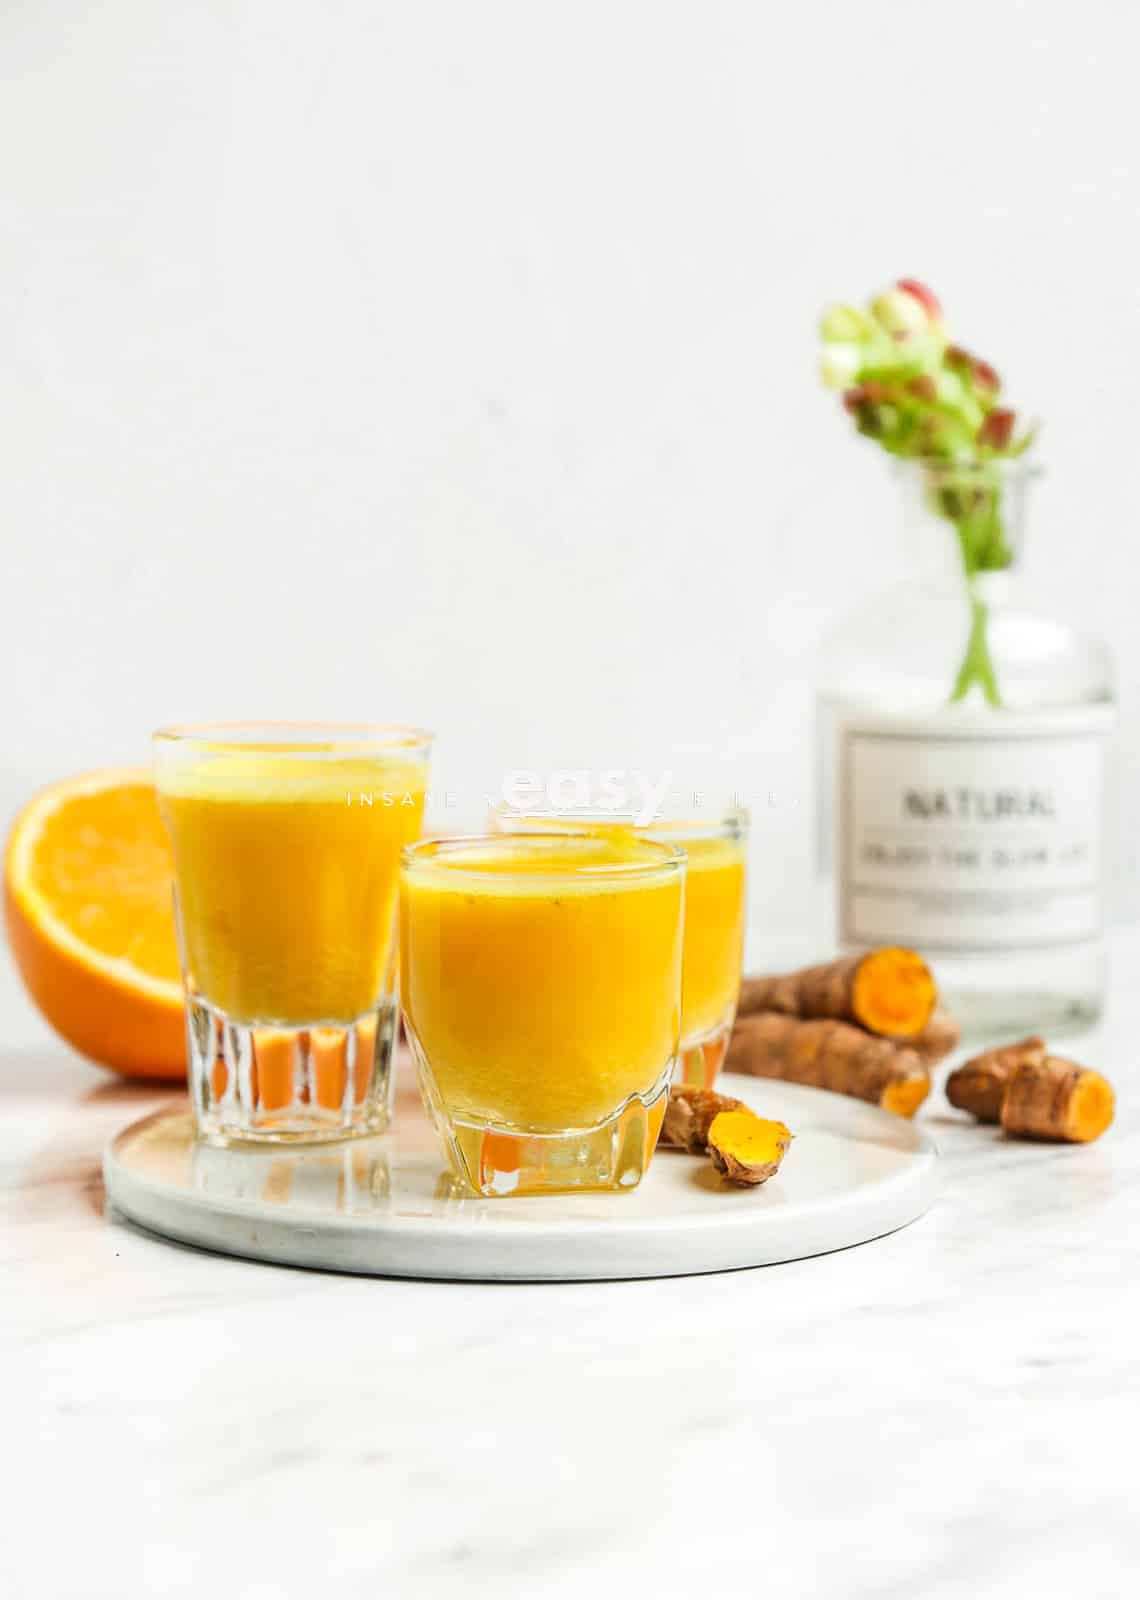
x: 715, y: 910
x: 541, y: 989
x: 287, y: 845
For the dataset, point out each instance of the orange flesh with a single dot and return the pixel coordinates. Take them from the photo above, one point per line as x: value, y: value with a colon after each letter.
x: 751, y: 1139
x: 102, y: 863
x: 894, y: 993
x: 1091, y: 1108
x: 87, y: 888
x: 905, y: 1098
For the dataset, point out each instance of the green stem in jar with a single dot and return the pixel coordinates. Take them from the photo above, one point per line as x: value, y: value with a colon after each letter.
x: 977, y: 664
x: 974, y: 507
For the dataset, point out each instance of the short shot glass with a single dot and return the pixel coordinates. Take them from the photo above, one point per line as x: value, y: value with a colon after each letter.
x: 541, y: 990
x: 716, y: 845
x: 286, y: 841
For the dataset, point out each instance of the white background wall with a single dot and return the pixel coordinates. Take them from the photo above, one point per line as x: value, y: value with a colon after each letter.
x: 455, y: 362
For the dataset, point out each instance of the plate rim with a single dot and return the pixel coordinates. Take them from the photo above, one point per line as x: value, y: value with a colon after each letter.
x: 899, y: 1197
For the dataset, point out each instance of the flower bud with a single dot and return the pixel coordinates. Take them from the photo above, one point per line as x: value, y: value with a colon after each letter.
x: 899, y: 313
x: 845, y: 325
x: 972, y: 369
x: 839, y: 365
x: 997, y: 428
x: 925, y: 297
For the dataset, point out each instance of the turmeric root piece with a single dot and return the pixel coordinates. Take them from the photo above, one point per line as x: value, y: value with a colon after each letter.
x: 941, y: 1035
x: 747, y: 1149
x: 890, y: 992
x: 830, y: 1055
x: 979, y: 1085
x: 1057, y: 1099
x: 690, y: 1114
x: 1032, y: 1094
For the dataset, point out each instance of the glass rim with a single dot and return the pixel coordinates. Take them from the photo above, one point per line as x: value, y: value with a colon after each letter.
x: 290, y: 738
x: 731, y: 823
x: 430, y: 856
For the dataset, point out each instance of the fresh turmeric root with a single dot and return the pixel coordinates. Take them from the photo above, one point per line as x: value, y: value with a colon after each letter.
x: 830, y: 1055
x: 747, y: 1149
x: 1057, y: 1099
x: 689, y: 1116
x: 1032, y: 1094
x: 979, y: 1085
x: 744, y: 1148
x: 890, y: 992
x: 941, y: 1035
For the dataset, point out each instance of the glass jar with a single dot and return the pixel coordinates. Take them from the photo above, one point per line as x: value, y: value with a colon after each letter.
x: 962, y: 744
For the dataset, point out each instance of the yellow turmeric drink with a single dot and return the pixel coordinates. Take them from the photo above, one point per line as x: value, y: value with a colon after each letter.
x: 541, y: 990
x: 287, y: 879
x: 286, y: 855
x: 714, y: 918
x: 714, y: 933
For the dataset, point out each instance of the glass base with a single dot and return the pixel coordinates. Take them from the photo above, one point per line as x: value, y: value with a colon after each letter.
x: 701, y: 1058
x: 494, y: 1160
x: 269, y: 1084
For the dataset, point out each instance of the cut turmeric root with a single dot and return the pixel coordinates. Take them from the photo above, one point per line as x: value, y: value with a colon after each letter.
x: 979, y: 1085
x: 744, y: 1148
x: 1032, y: 1094
x: 941, y: 1035
x: 890, y: 992
x: 747, y: 1149
x: 830, y: 1055
x: 1057, y: 1099
x: 689, y: 1116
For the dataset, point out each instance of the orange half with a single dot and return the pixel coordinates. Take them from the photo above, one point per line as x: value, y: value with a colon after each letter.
x: 88, y: 894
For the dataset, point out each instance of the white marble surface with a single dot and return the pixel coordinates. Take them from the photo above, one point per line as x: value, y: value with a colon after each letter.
x: 949, y: 1411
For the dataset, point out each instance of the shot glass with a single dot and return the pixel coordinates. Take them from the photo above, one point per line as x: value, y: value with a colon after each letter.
x: 287, y: 841
x: 541, y: 982
x: 715, y: 910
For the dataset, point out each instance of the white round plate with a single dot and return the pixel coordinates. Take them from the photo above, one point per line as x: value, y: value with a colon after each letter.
x: 386, y: 1205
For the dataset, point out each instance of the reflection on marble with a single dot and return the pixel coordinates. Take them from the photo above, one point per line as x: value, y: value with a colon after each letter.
x: 942, y: 1414
x: 350, y: 1179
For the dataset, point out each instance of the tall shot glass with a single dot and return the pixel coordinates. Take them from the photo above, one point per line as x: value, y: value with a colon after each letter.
x: 287, y: 841
x: 716, y: 844
x: 541, y: 987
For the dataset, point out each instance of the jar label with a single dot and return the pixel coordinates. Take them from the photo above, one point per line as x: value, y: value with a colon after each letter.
x: 972, y: 833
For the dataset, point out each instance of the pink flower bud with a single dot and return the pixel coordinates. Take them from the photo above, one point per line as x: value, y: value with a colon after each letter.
x: 925, y: 297
x: 958, y: 359
x: 868, y: 417
x: 997, y: 428
x: 854, y: 398
x: 976, y: 372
